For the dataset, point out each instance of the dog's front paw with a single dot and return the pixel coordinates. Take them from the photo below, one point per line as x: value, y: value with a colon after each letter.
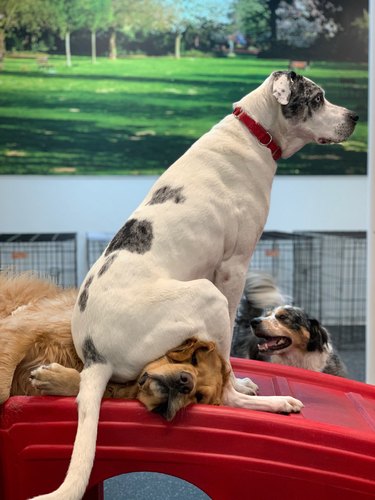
x: 55, y: 380
x: 246, y: 386
x: 286, y: 404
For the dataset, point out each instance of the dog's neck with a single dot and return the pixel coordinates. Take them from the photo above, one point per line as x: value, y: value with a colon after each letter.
x: 256, y: 129
x: 315, y: 360
x: 290, y: 139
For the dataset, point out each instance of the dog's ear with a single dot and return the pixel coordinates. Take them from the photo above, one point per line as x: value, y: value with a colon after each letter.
x: 185, y: 351
x: 318, y: 336
x: 282, y: 85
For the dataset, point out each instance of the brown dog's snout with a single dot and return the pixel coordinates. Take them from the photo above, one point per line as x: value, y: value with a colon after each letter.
x: 182, y: 382
x: 185, y: 383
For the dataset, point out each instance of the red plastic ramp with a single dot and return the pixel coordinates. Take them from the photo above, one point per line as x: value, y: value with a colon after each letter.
x: 327, y: 451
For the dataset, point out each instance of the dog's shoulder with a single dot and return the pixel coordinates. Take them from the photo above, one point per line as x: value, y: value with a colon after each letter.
x: 335, y: 366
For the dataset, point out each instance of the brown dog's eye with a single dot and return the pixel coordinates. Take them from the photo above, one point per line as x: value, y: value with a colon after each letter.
x: 199, y: 397
x: 194, y: 360
x: 143, y: 379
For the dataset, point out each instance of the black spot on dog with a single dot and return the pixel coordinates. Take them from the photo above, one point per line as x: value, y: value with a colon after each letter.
x: 91, y: 354
x: 107, y: 264
x: 135, y: 236
x: 84, y: 296
x: 167, y: 193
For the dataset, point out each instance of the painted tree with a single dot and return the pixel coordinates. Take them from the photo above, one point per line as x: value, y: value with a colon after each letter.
x: 97, y: 15
x: 8, y: 13
x: 253, y: 19
x: 186, y: 14
x: 131, y: 17
x: 301, y: 22
x: 15, y: 14
x: 66, y: 16
x: 296, y: 22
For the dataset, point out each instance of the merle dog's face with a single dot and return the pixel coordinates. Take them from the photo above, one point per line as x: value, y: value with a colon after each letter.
x: 286, y: 328
x: 305, y: 107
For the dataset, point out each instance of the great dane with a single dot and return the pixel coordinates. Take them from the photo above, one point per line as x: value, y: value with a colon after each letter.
x: 176, y: 268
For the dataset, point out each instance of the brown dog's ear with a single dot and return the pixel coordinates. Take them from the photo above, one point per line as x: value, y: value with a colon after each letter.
x: 185, y: 351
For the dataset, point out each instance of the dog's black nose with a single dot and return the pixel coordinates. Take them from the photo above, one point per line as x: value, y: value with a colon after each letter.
x: 255, y: 322
x: 185, y: 383
x: 354, y: 117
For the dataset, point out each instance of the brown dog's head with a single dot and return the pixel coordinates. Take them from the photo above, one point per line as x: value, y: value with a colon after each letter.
x: 194, y: 372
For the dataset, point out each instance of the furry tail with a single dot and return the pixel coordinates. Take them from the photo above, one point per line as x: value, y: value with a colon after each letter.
x: 261, y: 292
x: 92, y: 386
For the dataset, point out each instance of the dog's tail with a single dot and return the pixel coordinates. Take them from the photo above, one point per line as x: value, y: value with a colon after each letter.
x: 92, y: 386
x: 260, y: 293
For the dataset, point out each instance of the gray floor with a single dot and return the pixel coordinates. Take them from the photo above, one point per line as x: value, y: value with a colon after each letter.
x: 152, y: 486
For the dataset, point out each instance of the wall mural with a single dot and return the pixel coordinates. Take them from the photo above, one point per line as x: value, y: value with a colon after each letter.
x: 117, y: 87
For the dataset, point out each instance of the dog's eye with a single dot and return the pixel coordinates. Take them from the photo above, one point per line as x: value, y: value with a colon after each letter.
x: 318, y: 99
x: 281, y: 317
x: 194, y: 360
x: 199, y: 396
x: 143, y: 379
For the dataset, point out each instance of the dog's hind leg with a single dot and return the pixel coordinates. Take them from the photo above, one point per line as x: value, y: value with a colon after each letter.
x: 94, y: 379
x: 13, y: 350
x: 55, y: 380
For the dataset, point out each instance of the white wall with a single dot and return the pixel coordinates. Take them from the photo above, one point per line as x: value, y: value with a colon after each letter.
x: 45, y: 204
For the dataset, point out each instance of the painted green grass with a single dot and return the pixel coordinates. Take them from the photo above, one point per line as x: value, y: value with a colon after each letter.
x: 136, y: 116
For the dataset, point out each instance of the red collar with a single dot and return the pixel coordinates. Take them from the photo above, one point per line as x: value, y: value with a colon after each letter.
x: 264, y: 137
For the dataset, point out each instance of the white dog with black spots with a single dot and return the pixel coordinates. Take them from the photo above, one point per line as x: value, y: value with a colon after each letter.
x: 176, y: 269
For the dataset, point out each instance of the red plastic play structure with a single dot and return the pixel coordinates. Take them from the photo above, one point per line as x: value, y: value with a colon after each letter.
x: 326, y: 452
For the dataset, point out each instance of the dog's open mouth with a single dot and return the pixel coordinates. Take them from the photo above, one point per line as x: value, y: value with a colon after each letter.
x: 274, y: 344
x: 323, y: 140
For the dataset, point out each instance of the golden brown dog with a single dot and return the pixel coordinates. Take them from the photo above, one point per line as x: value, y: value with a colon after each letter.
x: 38, y: 357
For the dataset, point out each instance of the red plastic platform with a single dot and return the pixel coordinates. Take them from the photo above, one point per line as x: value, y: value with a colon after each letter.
x: 326, y: 452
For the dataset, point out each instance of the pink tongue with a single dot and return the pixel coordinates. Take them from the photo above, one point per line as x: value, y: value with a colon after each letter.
x: 267, y: 345
x: 272, y: 342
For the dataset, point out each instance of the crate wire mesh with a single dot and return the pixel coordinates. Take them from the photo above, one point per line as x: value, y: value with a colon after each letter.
x: 49, y: 255
x: 341, y: 286
x: 324, y: 273
x: 288, y: 258
x: 96, y: 243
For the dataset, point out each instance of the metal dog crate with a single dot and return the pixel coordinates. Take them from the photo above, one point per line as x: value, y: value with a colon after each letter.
x: 95, y: 246
x: 49, y: 255
x: 289, y: 259
x: 340, y: 285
